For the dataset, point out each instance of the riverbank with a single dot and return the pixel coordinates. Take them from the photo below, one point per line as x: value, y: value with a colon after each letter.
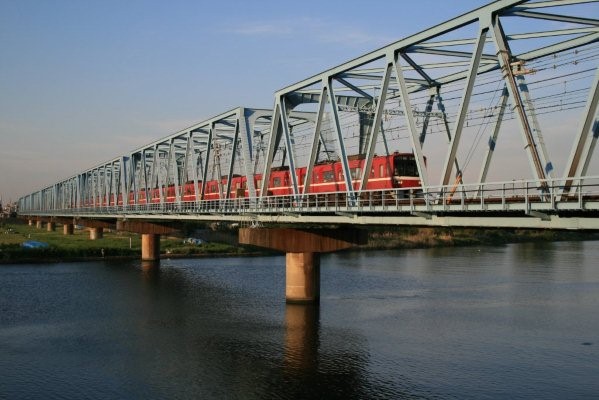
x: 114, y: 245
x: 222, y: 242
x: 386, y: 238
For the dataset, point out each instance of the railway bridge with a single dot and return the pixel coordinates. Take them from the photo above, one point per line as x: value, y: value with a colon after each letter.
x: 489, y: 119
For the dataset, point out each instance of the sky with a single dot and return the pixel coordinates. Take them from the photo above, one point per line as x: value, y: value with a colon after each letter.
x: 82, y: 82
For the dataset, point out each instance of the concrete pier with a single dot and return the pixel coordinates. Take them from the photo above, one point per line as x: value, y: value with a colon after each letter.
x: 96, y: 233
x: 302, y: 248
x: 30, y: 222
x: 302, y: 277
x: 51, y: 226
x: 39, y: 224
x: 150, y: 247
x: 68, y: 229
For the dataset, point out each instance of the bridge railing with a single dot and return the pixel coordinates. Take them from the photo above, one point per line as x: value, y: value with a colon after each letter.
x: 516, y: 195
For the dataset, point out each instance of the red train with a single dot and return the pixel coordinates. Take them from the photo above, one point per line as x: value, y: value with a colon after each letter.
x: 395, y: 171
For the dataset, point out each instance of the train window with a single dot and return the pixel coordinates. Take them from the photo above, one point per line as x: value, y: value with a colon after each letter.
x: 328, y: 176
x: 276, y: 182
x: 381, y: 170
x: 405, y: 166
x: 340, y: 176
x: 356, y: 173
x: 259, y: 182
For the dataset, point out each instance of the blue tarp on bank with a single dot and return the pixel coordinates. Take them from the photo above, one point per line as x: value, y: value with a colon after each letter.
x: 33, y: 244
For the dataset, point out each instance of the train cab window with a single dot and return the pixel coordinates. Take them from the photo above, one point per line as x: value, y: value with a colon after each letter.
x: 356, y: 173
x: 381, y: 170
x: 328, y: 176
x: 405, y: 166
x: 259, y: 182
x: 276, y: 182
x: 340, y: 176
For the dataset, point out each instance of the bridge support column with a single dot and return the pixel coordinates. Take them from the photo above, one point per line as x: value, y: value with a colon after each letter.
x: 68, y: 229
x: 51, y: 226
x: 150, y: 247
x: 39, y: 224
x: 30, y: 222
x: 302, y: 248
x: 302, y: 277
x: 96, y: 233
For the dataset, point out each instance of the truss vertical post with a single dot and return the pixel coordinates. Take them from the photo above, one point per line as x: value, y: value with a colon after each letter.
x: 174, y: 170
x: 207, y: 158
x: 154, y: 172
x: 376, y: 125
x: 272, y: 144
x: 246, y: 130
x: 463, y: 109
x: 186, y: 163
x: 340, y: 142
x: 125, y: 180
x: 584, y: 145
x: 505, y: 57
x: 232, y: 161
x: 144, y: 175
x: 194, y: 169
x: 409, y: 115
x: 289, y: 143
x: 109, y: 181
x: 493, y: 140
x: 315, y: 138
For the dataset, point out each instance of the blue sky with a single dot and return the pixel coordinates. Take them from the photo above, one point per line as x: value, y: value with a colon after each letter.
x: 84, y: 81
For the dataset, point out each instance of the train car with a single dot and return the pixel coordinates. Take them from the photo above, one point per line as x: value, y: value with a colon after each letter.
x: 395, y: 171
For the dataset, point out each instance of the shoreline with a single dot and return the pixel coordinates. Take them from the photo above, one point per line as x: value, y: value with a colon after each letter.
x: 223, y: 243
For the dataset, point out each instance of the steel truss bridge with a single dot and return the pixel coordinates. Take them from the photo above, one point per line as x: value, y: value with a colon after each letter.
x: 499, y: 107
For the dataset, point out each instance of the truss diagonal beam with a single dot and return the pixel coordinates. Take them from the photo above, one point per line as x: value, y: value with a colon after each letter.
x: 459, y: 124
x: 583, y: 145
x: 505, y: 59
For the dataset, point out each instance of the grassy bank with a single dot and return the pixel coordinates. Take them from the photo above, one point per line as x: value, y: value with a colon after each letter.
x: 414, y: 237
x: 223, y: 241
x: 78, y: 246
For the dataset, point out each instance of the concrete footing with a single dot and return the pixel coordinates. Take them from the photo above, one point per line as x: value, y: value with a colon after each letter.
x: 51, y: 226
x: 150, y: 247
x: 68, y: 229
x: 30, y: 222
x: 39, y: 224
x: 302, y: 277
x: 96, y: 233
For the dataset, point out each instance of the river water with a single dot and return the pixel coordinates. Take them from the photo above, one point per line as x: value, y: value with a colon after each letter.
x: 515, y: 321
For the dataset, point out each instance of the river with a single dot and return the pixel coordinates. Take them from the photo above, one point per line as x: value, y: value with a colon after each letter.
x: 515, y: 321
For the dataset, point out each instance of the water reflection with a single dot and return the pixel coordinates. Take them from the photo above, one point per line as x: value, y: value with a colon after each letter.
x: 301, y: 336
x: 150, y: 265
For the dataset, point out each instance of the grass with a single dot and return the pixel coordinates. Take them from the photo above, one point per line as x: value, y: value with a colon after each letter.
x: 79, y: 246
